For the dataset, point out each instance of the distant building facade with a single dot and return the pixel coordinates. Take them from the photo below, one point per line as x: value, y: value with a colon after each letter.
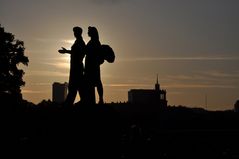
x: 59, y: 92
x: 148, y: 96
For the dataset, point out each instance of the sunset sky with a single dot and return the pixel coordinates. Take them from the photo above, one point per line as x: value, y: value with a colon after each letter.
x: 193, y: 46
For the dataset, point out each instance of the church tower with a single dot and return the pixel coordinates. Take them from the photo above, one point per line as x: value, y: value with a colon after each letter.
x: 157, y: 86
x: 147, y: 97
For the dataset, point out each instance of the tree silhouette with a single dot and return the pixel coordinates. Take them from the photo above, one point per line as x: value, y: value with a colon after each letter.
x: 236, y: 106
x: 11, y: 55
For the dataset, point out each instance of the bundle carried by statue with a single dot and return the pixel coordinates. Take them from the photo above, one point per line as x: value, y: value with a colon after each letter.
x: 108, y: 53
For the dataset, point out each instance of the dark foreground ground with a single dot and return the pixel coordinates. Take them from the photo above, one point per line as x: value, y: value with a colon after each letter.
x: 120, y: 131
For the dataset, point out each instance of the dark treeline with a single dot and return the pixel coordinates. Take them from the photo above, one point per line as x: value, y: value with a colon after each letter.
x: 123, y: 131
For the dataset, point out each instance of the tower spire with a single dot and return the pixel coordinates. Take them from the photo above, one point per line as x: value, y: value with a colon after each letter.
x: 157, y: 79
x: 157, y: 87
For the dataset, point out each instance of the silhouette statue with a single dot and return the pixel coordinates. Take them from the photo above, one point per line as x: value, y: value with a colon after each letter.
x: 76, y: 80
x: 93, y: 61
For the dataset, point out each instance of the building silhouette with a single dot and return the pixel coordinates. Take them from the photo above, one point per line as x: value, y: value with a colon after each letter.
x: 59, y: 92
x: 148, y: 96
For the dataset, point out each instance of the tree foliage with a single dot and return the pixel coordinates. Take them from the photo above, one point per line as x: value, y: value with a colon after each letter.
x: 236, y: 106
x: 11, y: 55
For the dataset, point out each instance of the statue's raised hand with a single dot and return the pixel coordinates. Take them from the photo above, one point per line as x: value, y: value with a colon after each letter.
x: 63, y: 50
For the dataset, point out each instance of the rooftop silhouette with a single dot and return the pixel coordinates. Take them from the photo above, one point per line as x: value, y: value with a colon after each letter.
x: 154, y: 96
